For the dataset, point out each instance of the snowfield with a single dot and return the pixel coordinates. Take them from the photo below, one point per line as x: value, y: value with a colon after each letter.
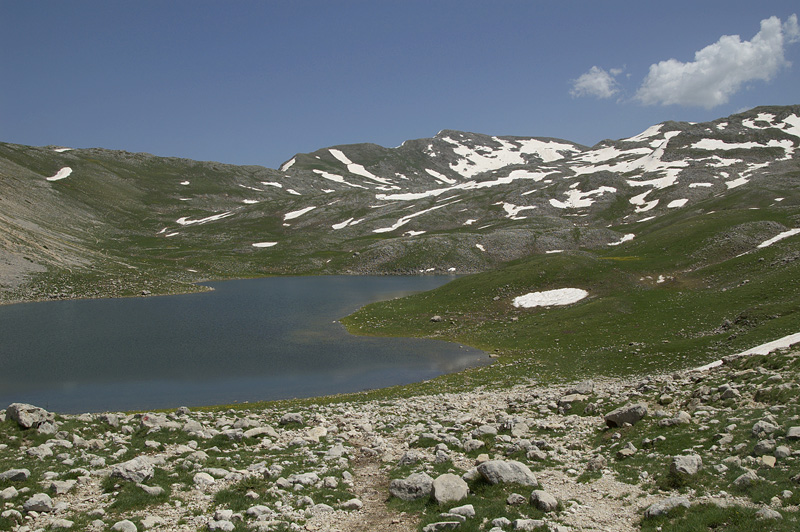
x: 550, y: 298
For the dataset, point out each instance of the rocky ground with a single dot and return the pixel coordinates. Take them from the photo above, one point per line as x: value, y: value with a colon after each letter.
x: 611, y: 455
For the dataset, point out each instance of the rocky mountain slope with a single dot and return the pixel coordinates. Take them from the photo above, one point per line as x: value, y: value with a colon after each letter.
x: 92, y: 222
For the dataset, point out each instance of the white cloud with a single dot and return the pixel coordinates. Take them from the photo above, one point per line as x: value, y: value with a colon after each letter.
x: 719, y: 70
x: 597, y: 82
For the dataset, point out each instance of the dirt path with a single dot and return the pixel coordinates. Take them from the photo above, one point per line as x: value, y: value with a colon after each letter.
x: 371, y: 486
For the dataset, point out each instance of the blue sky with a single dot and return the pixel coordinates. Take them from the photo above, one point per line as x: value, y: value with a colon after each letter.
x: 256, y: 82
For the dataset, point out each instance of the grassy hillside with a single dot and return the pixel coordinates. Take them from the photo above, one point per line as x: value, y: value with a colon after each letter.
x: 684, y: 291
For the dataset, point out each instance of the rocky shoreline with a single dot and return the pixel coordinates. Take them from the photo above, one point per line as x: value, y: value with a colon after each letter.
x: 612, y: 454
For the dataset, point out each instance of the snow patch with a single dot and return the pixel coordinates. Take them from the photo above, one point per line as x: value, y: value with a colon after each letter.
x: 287, y: 165
x: 792, y: 125
x: 651, y: 131
x: 642, y: 204
x: 357, y: 168
x: 549, y: 298
x: 625, y: 238
x: 696, y: 185
x: 264, y: 244
x: 577, y: 199
x: 336, y: 178
x: 405, y: 219
x: 61, y: 150
x: 763, y: 349
x: 61, y: 174
x: 441, y: 177
x: 186, y: 221
x: 296, y: 214
x: 779, y: 237
x: 512, y: 211
x: 716, y: 144
x: 349, y: 221
x: 480, y: 247
x: 674, y: 204
x: 184, y: 183
x: 272, y: 184
x: 736, y: 182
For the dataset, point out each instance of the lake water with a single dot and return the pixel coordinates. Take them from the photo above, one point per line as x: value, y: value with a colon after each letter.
x: 248, y: 340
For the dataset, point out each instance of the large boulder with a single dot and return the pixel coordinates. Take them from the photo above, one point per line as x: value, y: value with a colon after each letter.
x: 544, y: 501
x: 665, y: 506
x: 41, y: 502
x: 687, y: 465
x: 29, y: 416
x: 507, y: 472
x: 415, y: 486
x: 136, y: 470
x: 626, y: 414
x: 449, y: 488
x: 15, y: 475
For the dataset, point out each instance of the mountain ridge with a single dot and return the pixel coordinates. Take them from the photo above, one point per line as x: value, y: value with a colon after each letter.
x: 456, y: 202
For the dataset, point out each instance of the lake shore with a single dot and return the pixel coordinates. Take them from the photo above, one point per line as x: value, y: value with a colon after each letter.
x: 348, y: 464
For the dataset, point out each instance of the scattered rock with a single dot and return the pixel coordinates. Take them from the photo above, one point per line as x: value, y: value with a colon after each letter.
x: 768, y: 513
x: 15, y: 475
x: 528, y: 524
x: 441, y: 525
x: 626, y: 414
x: 41, y: 502
x: 28, y: 416
x: 746, y: 479
x: 352, y: 504
x: 665, y: 506
x: 291, y: 417
x: 467, y: 511
x: 136, y: 470
x: 415, y: 486
x: 688, y: 465
x: 507, y: 472
x: 124, y: 526
x: 60, y: 487
x: 544, y: 501
x: 449, y: 488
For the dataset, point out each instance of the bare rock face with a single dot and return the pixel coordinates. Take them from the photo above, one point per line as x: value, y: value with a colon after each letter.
x: 29, y: 416
x: 626, y: 414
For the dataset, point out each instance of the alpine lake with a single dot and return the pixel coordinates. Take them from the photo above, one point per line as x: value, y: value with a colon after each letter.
x: 247, y: 340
